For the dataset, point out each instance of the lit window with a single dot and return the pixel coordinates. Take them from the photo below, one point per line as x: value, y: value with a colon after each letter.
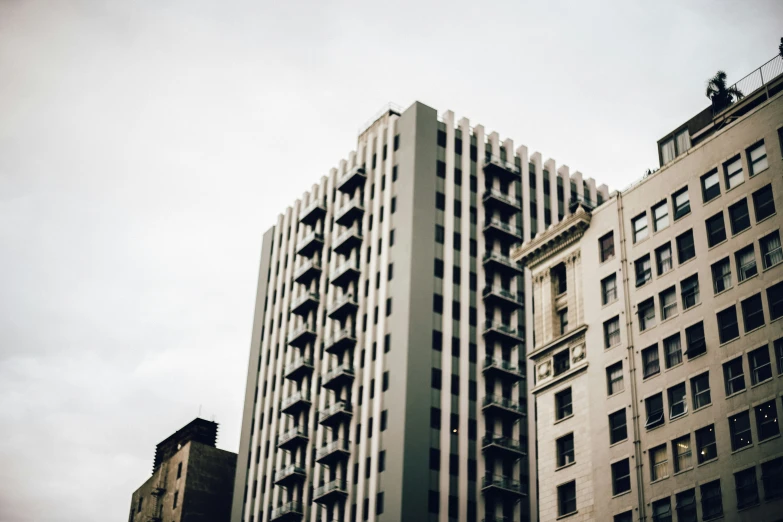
x: 710, y: 186
x: 739, y: 426
x: 721, y: 275
x: 682, y: 203
x: 659, y: 463
x: 700, y: 390
x: 757, y: 158
x: 660, y: 216
x: 732, y: 169
x: 734, y: 376
x: 705, y: 444
x: 639, y: 224
x: 746, y: 263
x: 681, y: 450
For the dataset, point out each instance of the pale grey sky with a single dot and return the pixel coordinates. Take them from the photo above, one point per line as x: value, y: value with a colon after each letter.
x: 146, y: 145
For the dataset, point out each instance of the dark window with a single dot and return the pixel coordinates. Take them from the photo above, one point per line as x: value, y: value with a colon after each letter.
x: 614, y: 378
x: 618, y: 429
x: 767, y: 420
x: 747, y: 489
x: 689, y: 290
x: 650, y: 362
x: 646, y: 311
x: 678, y: 403
x: 439, y: 234
x: 672, y: 350
x: 710, y: 186
x: 396, y: 142
x: 566, y: 498
x: 716, y: 230
x: 772, y: 474
x: 565, y: 450
x: 752, y: 313
x: 440, y: 201
x: 771, y: 252
x: 176, y: 499
x: 727, y: 324
x: 437, y: 340
x: 711, y: 500
x: 655, y: 412
x: 441, y: 138
x: 686, y: 506
x: 563, y: 406
x: 621, y: 477
x: 435, y: 418
x: 437, y: 303
x: 623, y: 517
x: 705, y: 444
x: 700, y: 390
x: 734, y: 376
x: 643, y: 270
x: 739, y: 216
x: 433, y: 502
x: 681, y: 203
x: 721, y: 275
x: 764, y: 203
x: 440, y: 170
x: 739, y: 426
x: 746, y: 263
x: 561, y: 362
x: 685, y: 248
x: 439, y: 268
x: 775, y: 301
x: 436, y: 379
x: 760, y: 365
x: 606, y: 244
x: 179, y: 469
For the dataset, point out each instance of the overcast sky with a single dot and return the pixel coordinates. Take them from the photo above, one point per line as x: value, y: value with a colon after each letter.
x: 145, y: 146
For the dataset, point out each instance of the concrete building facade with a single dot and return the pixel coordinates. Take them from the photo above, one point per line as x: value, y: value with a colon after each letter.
x: 192, y: 480
x: 387, y: 372
x: 656, y: 344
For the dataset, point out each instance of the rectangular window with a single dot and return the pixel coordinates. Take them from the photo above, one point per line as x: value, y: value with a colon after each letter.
x: 686, y: 506
x: 609, y: 289
x: 727, y: 324
x: 566, y: 498
x: 732, y: 169
x: 612, y: 332
x: 621, y: 477
x: 660, y: 214
x: 767, y: 420
x: 614, y: 378
x: 659, y: 463
x: 681, y: 451
x: 711, y: 500
x: 563, y: 406
x: 565, y: 450
x: 757, y: 158
x: 746, y: 487
x: 716, y: 230
x: 689, y: 289
x: 561, y: 362
x: 721, y: 275
x: 662, y: 510
x: 763, y: 203
x: 668, y: 152
x: 672, y: 349
x: 668, y: 301
x: 734, y: 376
x: 771, y: 252
x: 643, y: 270
x: 654, y: 408
x: 439, y: 234
x: 650, y: 362
x: 772, y: 475
x: 710, y: 186
x: 778, y: 347
x: 563, y: 320
x: 694, y: 336
x: 639, y: 225
x: 746, y: 263
x: 678, y: 403
x: 739, y: 217
x: 623, y: 517
x: 705, y: 444
x: 176, y: 499
x: 700, y: 390
x: 646, y: 312
x: 760, y: 365
x: 606, y: 244
x: 775, y: 301
x: 752, y: 313
x: 663, y: 258
x: 682, y: 203
x: 739, y: 426
x: 685, y: 248
x: 618, y: 429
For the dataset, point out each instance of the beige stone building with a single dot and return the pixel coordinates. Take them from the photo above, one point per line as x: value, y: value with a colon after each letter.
x: 656, y: 346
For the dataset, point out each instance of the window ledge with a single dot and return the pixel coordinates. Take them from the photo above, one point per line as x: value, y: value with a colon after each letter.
x: 675, y: 366
x: 722, y: 291
x: 760, y: 383
x: 691, y: 307
x: 703, y: 407
x: 656, y: 374
x: 558, y: 421
x: 736, y: 393
x: 756, y: 329
x: 772, y: 266
x: 700, y: 464
x: 716, y: 245
x: 705, y: 203
x: 649, y: 281
x: 721, y: 345
x: 769, y: 438
x: 648, y: 329
x: 678, y: 417
x: 685, y: 262
x: 641, y: 240
x: 749, y: 506
x: 656, y: 481
x: 683, y: 471
x: 675, y: 316
x: 766, y: 218
x: 621, y: 494
x: 561, y: 517
x: 692, y: 357
x: 735, y: 187
x: 618, y: 442
x: 749, y: 278
x: 566, y: 466
x: 655, y: 427
x: 737, y: 234
x: 742, y: 449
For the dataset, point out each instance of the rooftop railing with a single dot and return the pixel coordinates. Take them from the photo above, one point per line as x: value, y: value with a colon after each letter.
x: 758, y: 79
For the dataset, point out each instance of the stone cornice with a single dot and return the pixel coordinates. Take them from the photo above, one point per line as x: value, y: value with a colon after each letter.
x: 563, y: 339
x: 565, y: 233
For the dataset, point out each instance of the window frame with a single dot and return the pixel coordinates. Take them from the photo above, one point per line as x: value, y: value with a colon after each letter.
x: 764, y: 204
x: 733, y: 173
x: 659, y: 463
x: 663, y: 217
x: 661, y: 262
x: 715, y: 227
x: 651, y: 366
x: 681, y: 460
x: 754, y: 324
x: 698, y: 393
x: 706, y: 446
x: 621, y: 478
x: 709, y: 193
x: 606, y: 251
x: 563, y: 502
x: 763, y: 420
x: 683, y: 209
x: 752, y: 170
x: 760, y: 365
x: 730, y: 330
x: 690, y: 250
x: 734, y: 376
x: 775, y: 253
x: 643, y: 230
x: 616, y: 415
x: 721, y: 282
x: 615, y: 384
x: 742, y: 221
x: 740, y: 432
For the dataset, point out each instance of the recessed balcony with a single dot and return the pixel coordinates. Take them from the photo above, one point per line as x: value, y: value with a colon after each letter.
x: 506, y: 170
x: 502, y: 406
x: 335, y: 451
x: 506, y: 446
x: 302, y: 336
x: 347, y: 241
x: 351, y: 179
x: 295, y: 403
x: 342, y: 341
x: 504, y: 333
x: 334, y: 414
x: 331, y: 492
x: 495, y: 295
x: 506, y: 204
x: 502, y: 231
x: 308, y: 271
x: 305, y: 303
x: 310, y: 244
x: 345, y: 274
x: 349, y: 212
x: 499, y: 262
x: 289, y: 476
x: 502, y: 369
x: 288, y: 512
x: 497, y: 484
x: 299, y: 368
x: 292, y: 439
x: 313, y: 212
x: 338, y: 377
x: 342, y: 307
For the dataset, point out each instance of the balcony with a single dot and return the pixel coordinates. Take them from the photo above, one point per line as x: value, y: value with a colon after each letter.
x: 335, y: 451
x: 313, y: 212
x: 299, y: 368
x: 345, y: 273
x: 502, y: 231
x: 347, y: 241
x: 296, y: 402
x: 504, y: 333
x: 350, y: 212
x: 503, y: 406
x: 305, y: 303
x: 505, y: 204
x: 497, y: 261
x: 290, y: 475
x: 338, y: 377
x: 497, y: 484
x: 342, y: 341
x: 292, y: 439
x: 302, y: 336
x: 333, y: 415
x: 331, y: 492
x: 495, y: 295
x: 351, y: 179
x: 308, y: 271
x: 344, y: 305
x: 288, y: 512
x: 310, y: 244
x: 506, y: 446
x: 502, y: 369
x: 507, y: 170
